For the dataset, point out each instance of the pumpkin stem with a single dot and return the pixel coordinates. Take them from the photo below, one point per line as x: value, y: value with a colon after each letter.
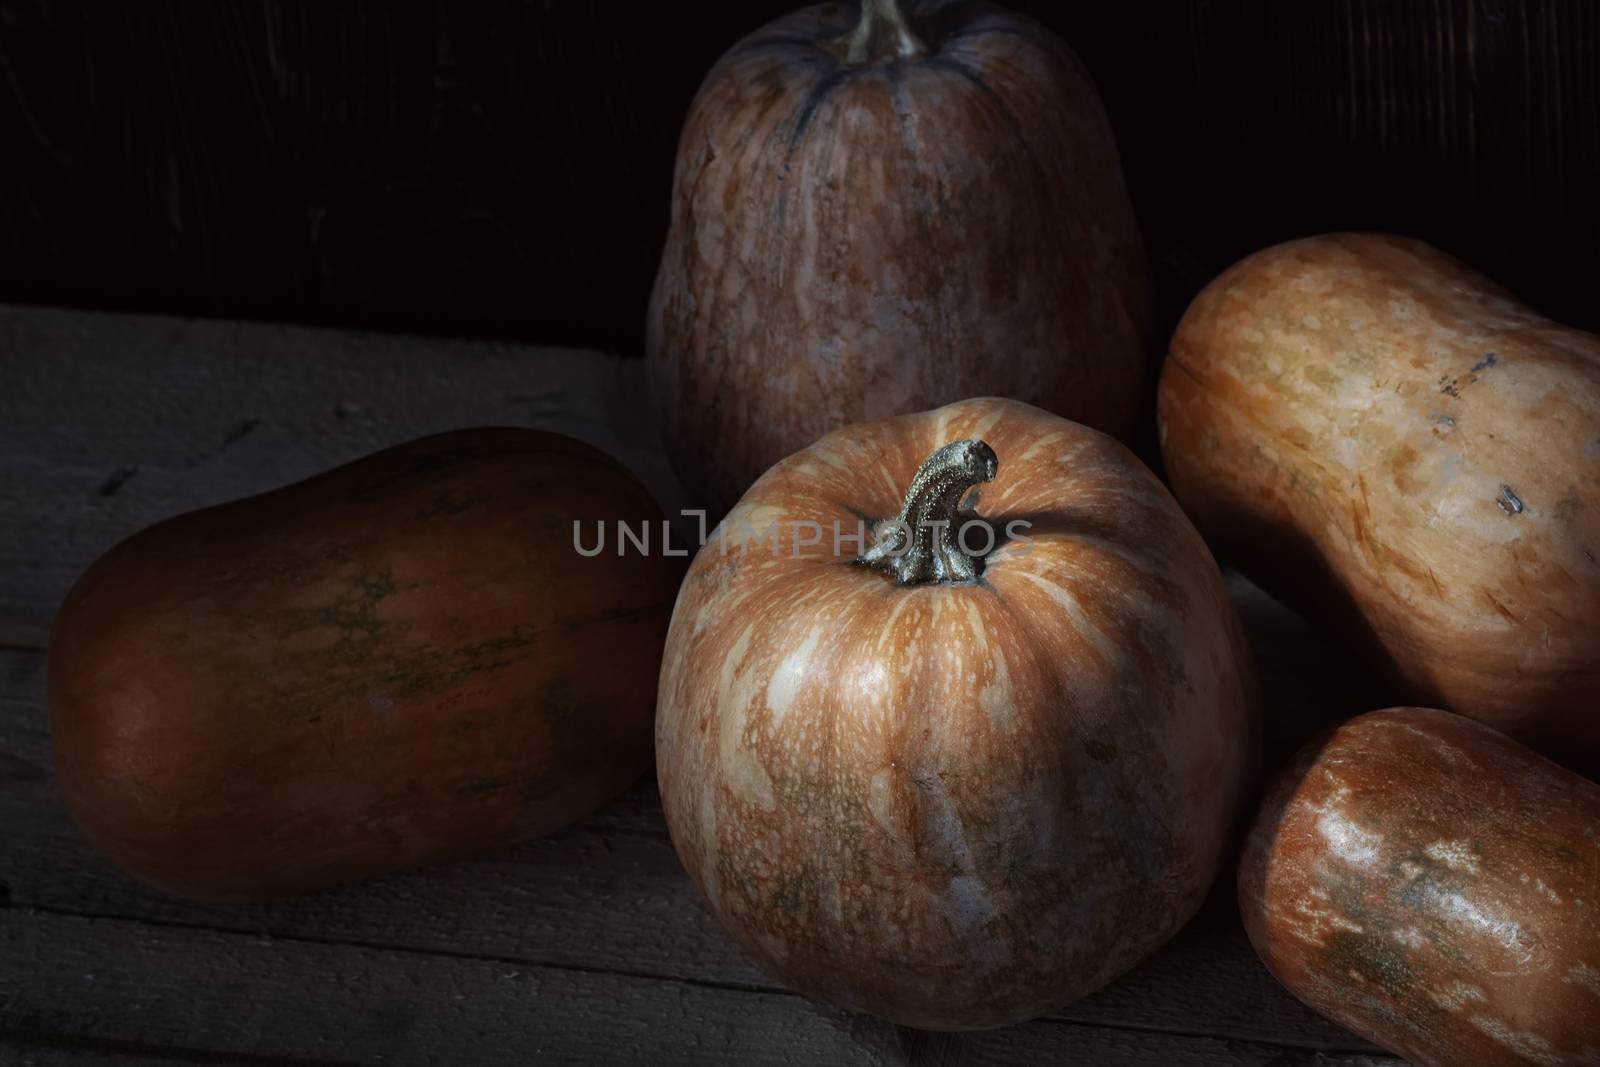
x: 884, y: 33
x: 927, y: 543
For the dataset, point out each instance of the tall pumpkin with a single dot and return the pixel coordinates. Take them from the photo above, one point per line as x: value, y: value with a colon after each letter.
x: 985, y: 766
x: 878, y: 211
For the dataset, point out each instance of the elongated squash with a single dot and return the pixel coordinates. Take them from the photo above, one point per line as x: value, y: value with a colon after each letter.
x: 1408, y: 455
x: 401, y: 660
x: 1434, y: 886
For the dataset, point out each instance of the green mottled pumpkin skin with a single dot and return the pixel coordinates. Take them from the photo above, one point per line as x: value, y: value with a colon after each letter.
x: 402, y: 660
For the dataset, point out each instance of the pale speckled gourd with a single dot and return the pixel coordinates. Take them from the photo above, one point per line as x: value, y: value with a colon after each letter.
x: 953, y: 786
x: 1434, y: 886
x: 881, y: 209
x: 1397, y: 447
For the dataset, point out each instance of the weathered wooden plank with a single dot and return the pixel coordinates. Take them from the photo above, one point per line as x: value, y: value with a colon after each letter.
x: 55, y: 1051
x: 606, y: 893
x: 1059, y: 1043
x: 234, y: 994
x: 269, y: 998
x: 111, y: 422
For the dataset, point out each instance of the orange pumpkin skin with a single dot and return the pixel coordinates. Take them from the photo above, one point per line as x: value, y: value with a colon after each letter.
x: 1395, y: 446
x: 1434, y: 886
x: 398, y: 661
x: 851, y: 241
x: 956, y: 805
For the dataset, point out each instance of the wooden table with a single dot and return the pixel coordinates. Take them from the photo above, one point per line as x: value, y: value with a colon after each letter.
x: 586, y: 946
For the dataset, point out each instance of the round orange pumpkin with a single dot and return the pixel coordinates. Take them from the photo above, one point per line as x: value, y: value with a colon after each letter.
x: 879, y: 210
x: 401, y: 660
x: 949, y: 786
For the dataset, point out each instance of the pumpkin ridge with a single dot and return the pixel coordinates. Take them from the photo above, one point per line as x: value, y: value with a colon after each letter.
x: 849, y: 263
x: 975, y: 817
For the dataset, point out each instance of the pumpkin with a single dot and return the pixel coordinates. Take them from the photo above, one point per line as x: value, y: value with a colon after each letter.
x: 1434, y: 886
x: 883, y: 209
x: 398, y: 661
x: 976, y: 765
x: 1398, y: 448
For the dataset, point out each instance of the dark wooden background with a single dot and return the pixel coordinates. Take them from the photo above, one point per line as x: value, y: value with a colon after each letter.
x: 501, y: 167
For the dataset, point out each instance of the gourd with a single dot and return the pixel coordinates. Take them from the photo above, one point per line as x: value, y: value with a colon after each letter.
x: 1398, y: 448
x: 880, y: 209
x: 401, y: 660
x: 952, y: 782
x: 1433, y: 885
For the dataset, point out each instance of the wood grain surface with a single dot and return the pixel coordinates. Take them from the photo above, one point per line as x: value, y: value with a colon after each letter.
x: 588, y: 945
